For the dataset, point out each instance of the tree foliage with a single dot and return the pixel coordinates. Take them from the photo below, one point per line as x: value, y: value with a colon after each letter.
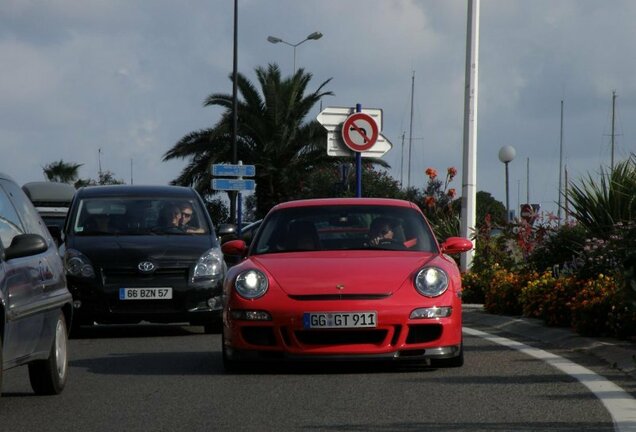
x: 63, y: 172
x: 600, y: 202
x: 271, y: 134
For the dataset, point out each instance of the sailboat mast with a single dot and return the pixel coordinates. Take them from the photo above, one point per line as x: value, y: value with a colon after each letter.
x: 408, y: 184
x: 613, y: 122
x: 402, y: 163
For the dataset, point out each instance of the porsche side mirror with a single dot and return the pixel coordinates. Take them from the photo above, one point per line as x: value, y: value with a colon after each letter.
x: 455, y: 245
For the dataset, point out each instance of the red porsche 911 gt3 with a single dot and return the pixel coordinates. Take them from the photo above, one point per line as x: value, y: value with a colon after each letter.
x: 344, y: 279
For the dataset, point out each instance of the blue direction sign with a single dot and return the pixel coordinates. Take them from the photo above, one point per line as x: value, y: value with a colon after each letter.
x: 233, y: 184
x: 227, y: 170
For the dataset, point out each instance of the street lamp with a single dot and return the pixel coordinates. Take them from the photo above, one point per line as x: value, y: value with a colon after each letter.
x: 312, y: 36
x: 506, y: 154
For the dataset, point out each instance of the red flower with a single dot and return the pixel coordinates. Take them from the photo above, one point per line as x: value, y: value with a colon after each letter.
x: 452, y: 192
x: 431, y: 173
x: 452, y: 172
x: 429, y: 201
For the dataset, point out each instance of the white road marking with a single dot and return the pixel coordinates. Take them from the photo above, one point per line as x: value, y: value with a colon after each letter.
x: 621, y: 405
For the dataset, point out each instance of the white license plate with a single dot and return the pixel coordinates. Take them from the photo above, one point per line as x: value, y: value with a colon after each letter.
x: 145, y: 293
x: 313, y: 320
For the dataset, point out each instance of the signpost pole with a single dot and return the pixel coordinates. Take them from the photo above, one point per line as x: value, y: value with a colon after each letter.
x: 358, y: 164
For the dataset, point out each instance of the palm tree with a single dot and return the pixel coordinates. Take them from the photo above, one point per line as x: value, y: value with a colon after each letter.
x: 61, y: 171
x: 271, y: 135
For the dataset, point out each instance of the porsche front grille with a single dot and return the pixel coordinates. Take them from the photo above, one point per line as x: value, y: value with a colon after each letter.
x: 340, y: 337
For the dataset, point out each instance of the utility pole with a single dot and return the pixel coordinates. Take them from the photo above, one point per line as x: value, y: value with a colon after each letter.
x: 99, y: 163
x: 408, y: 183
x: 469, y: 161
x: 560, y: 168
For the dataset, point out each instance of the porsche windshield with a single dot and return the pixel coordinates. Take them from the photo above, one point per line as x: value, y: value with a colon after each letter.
x: 344, y: 228
x: 138, y: 216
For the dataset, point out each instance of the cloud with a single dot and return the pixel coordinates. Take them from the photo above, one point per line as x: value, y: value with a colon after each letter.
x: 130, y: 78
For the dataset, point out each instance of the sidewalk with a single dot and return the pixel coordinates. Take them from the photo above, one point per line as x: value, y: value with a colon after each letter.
x: 617, y: 354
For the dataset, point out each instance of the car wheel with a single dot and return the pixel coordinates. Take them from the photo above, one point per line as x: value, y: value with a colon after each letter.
x: 48, y: 376
x: 1, y: 360
x: 452, y: 362
x: 213, y: 327
x: 230, y: 365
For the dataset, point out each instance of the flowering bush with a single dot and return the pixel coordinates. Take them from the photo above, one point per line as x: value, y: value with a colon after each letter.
x: 502, y: 294
x: 601, y: 308
x: 534, y: 296
x: 473, y: 286
x: 592, y: 306
x: 438, y: 201
x: 556, y: 302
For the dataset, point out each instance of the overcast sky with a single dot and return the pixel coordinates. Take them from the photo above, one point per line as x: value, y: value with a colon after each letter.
x: 130, y: 77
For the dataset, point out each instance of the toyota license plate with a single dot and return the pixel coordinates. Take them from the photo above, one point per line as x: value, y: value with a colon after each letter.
x: 145, y: 293
x: 312, y: 320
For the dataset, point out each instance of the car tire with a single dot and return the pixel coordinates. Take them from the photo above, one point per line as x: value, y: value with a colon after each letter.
x: 1, y: 363
x: 230, y: 365
x: 213, y: 327
x: 452, y: 362
x: 48, y: 377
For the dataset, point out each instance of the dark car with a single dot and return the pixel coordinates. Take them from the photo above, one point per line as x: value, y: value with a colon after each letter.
x: 35, y: 304
x: 130, y: 256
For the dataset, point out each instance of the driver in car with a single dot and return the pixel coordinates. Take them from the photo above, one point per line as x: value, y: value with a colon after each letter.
x: 381, y: 231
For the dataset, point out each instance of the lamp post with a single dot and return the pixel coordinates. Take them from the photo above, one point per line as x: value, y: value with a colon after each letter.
x: 506, y: 154
x: 312, y: 36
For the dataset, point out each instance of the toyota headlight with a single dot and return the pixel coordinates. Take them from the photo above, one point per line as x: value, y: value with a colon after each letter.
x: 431, y: 281
x: 76, y: 264
x: 208, y: 266
x: 251, y: 284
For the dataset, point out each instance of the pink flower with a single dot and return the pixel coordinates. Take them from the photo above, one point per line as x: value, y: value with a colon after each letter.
x: 431, y: 173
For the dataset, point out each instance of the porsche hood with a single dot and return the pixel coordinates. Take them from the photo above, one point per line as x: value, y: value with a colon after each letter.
x: 357, y: 272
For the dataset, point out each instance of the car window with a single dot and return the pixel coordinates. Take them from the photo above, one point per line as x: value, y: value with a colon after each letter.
x: 26, y: 212
x: 343, y: 228
x: 10, y: 224
x: 137, y: 216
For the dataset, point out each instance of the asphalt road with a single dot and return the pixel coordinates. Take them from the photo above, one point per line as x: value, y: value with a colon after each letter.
x: 170, y: 378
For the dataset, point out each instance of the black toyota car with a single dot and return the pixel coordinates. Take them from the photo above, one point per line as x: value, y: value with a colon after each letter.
x: 142, y: 253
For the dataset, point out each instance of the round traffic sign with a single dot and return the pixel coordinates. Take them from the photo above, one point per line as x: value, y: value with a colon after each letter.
x: 360, y: 132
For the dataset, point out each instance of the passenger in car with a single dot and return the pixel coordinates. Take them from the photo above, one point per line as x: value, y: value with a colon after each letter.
x: 170, y: 219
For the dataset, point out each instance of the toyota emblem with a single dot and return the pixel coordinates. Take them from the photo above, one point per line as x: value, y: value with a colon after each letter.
x: 146, y: 267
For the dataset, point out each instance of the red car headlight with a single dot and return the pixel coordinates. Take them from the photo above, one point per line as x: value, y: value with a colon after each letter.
x: 431, y: 281
x: 251, y: 284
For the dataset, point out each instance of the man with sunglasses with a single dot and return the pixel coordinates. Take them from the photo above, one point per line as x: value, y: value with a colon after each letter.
x: 186, y: 219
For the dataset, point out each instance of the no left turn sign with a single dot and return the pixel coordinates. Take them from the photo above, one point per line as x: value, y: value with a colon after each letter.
x: 360, y: 132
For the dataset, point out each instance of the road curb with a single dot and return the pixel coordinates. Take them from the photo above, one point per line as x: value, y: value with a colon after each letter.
x: 617, y: 354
